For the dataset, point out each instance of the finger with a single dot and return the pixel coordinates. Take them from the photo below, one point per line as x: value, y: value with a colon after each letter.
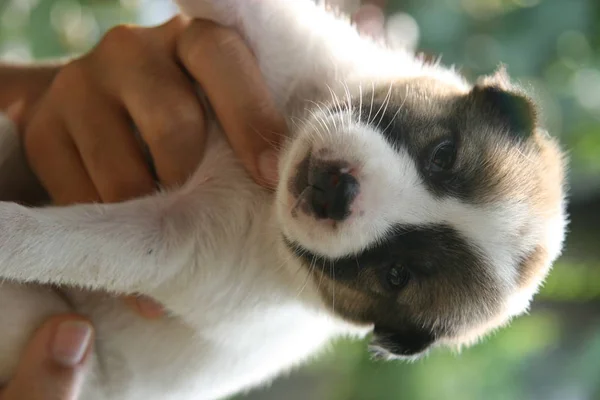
x: 110, y: 152
x: 52, y: 365
x: 228, y: 73
x: 172, y: 124
x: 163, y: 104
x: 145, y: 306
x: 55, y: 160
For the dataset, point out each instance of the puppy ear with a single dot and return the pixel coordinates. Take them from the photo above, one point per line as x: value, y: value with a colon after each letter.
x: 408, y: 343
x: 497, y: 100
x: 499, y: 79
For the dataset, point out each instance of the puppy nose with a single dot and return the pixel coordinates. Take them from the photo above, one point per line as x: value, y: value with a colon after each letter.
x: 332, y: 192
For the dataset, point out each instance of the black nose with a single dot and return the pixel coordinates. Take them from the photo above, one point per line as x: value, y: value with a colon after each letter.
x: 332, y: 192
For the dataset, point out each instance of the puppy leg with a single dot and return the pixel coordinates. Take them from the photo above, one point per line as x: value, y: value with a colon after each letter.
x: 118, y: 247
x: 135, y: 246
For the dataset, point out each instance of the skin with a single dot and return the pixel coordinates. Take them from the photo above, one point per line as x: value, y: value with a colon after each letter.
x: 89, y: 153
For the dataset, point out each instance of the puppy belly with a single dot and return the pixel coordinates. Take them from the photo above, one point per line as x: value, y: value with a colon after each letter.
x: 23, y: 309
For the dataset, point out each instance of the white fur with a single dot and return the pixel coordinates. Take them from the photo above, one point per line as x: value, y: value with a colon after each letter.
x: 243, y: 309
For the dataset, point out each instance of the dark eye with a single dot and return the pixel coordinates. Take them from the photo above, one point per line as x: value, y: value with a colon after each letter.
x: 398, y: 277
x: 442, y: 157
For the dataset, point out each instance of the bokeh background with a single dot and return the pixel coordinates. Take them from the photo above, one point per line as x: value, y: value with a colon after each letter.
x: 551, y: 45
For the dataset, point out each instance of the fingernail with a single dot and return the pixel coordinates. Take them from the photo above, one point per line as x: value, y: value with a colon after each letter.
x: 149, y: 307
x: 71, y: 340
x: 268, y: 166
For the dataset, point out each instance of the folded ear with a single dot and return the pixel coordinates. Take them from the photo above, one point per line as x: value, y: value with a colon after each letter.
x: 499, y: 79
x: 408, y: 343
x: 498, y: 101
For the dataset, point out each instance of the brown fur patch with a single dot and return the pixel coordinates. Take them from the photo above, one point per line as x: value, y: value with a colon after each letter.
x: 532, y: 268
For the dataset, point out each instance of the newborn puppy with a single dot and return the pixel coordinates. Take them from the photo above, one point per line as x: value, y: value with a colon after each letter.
x: 411, y: 204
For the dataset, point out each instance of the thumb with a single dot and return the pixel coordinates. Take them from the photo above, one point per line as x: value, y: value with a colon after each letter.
x: 53, y: 363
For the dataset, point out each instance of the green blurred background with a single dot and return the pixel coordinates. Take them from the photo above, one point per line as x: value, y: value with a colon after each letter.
x: 553, y: 46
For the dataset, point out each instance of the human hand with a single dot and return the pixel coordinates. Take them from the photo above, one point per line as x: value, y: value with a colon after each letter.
x: 53, y: 363
x: 80, y: 141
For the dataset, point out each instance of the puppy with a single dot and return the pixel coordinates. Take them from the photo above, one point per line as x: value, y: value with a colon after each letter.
x: 411, y: 204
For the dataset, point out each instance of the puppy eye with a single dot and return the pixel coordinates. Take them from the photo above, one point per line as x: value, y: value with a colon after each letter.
x: 442, y: 157
x: 398, y: 277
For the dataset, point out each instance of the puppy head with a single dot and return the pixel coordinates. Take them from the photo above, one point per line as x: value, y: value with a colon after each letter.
x: 429, y: 210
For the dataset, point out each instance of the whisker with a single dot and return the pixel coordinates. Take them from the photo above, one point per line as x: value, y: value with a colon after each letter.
x: 306, y: 279
x: 320, y: 278
x: 276, y: 145
x: 349, y: 99
x: 300, y: 198
x: 360, y: 100
x: 384, y: 105
x: 335, y: 104
x: 320, y: 118
x: 395, y: 115
x: 372, y: 100
x: 333, y: 285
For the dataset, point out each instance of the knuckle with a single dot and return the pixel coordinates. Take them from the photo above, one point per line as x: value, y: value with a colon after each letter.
x: 203, y: 37
x: 69, y: 78
x: 176, y: 24
x: 170, y: 29
x: 120, y: 40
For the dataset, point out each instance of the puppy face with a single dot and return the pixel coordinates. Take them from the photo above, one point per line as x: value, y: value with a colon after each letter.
x: 427, y: 210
